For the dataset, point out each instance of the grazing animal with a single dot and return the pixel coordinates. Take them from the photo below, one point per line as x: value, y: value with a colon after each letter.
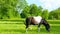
x: 36, y: 20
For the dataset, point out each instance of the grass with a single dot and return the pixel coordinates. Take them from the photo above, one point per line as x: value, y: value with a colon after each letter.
x: 20, y: 28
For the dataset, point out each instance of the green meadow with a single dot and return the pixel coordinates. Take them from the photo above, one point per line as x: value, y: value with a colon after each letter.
x: 13, y: 13
x: 18, y: 27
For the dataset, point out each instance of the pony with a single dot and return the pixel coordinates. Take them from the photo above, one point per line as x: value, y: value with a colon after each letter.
x: 36, y: 20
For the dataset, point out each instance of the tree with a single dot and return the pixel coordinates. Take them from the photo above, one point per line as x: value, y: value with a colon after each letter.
x: 33, y: 10
x: 54, y: 14
x: 8, y: 8
x: 45, y: 14
x: 58, y: 12
x: 40, y: 10
x: 25, y: 12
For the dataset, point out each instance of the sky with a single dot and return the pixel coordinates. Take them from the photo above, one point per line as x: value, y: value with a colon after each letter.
x: 46, y: 4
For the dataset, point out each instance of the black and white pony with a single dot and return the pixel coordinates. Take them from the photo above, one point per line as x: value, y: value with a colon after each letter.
x: 36, y: 20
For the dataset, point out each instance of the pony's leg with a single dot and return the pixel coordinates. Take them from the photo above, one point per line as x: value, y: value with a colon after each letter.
x: 39, y: 27
x: 26, y: 28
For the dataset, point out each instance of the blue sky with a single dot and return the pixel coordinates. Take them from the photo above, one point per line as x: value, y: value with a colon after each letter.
x: 46, y: 4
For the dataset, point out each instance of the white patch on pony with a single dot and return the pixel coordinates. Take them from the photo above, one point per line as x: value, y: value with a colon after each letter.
x: 37, y: 19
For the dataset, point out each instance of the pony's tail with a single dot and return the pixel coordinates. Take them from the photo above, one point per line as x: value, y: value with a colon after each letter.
x: 26, y: 21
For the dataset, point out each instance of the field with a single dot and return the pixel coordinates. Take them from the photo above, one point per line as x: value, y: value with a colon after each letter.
x: 17, y: 27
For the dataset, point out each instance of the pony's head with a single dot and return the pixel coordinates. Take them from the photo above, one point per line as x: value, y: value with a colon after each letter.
x: 47, y: 27
x: 45, y: 23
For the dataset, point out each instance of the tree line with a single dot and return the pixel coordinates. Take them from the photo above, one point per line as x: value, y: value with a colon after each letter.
x: 20, y: 9
x: 34, y: 10
x: 10, y: 8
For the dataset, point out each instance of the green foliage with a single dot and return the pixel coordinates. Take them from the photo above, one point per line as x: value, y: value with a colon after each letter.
x: 22, y: 4
x: 33, y: 10
x: 19, y: 8
x: 25, y: 12
x: 8, y: 8
x: 45, y: 14
x: 40, y: 10
x: 55, y: 14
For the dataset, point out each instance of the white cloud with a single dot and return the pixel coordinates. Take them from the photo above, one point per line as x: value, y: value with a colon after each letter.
x: 46, y: 4
x: 50, y: 4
